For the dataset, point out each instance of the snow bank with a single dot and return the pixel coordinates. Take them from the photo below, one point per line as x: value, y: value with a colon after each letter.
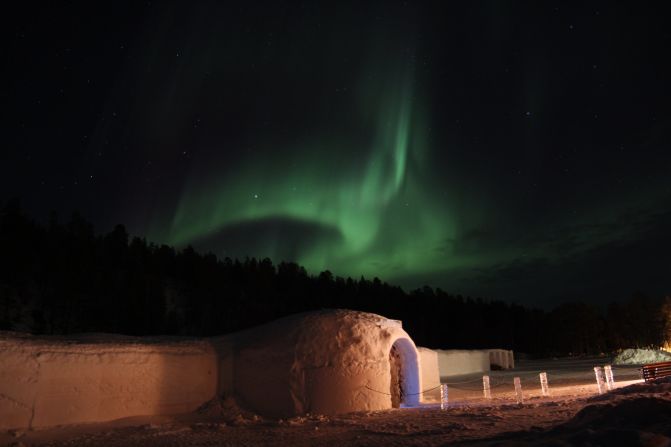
x: 457, y: 362
x: 47, y: 381
x: 641, y: 357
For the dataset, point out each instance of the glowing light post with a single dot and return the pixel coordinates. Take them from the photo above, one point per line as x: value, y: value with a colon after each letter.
x: 599, y: 378
x: 443, y: 396
x: 486, y: 390
x: 518, y: 389
x: 608, y: 372
x: 545, y: 389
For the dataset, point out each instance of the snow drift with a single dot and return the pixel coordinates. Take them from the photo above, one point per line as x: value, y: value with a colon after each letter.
x: 641, y: 357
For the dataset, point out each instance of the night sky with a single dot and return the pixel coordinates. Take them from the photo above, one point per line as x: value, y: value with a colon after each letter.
x: 510, y: 150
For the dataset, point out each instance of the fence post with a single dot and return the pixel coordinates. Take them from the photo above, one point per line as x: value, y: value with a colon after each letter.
x: 545, y: 389
x: 599, y: 378
x: 518, y: 389
x: 608, y: 372
x: 486, y: 390
x: 443, y: 396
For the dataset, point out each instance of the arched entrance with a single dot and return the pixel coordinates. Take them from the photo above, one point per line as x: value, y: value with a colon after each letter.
x: 404, y: 385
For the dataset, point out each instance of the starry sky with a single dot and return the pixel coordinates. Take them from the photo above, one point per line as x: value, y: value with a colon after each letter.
x: 511, y: 150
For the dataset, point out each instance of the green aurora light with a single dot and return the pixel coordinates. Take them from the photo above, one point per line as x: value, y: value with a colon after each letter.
x: 368, y: 201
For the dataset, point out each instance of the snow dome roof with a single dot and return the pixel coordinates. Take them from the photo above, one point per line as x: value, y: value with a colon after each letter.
x: 329, y: 361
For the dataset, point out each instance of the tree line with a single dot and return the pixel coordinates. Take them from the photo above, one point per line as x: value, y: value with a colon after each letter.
x: 61, y: 278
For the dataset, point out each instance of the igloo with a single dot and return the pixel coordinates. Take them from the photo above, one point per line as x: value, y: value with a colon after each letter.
x: 325, y: 362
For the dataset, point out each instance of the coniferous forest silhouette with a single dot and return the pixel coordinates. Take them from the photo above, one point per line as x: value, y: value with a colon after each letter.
x: 62, y: 278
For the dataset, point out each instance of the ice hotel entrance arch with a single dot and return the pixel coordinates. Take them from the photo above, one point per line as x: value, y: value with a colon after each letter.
x: 404, y: 383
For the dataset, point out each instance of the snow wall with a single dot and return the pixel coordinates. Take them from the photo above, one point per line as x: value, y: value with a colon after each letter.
x: 457, y: 362
x: 428, y: 360
x: 326, y: 362
x: 54, y: 381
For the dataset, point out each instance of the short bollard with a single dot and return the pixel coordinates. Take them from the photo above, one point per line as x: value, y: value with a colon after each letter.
x: 518, y: 389
x: 545, y: 389
x: 608, y: 372
x: 486, y: 389
x: 599, y: 379
x: 443, y: 396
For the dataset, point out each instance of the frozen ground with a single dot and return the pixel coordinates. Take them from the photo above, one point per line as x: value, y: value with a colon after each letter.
x: 633, y: 414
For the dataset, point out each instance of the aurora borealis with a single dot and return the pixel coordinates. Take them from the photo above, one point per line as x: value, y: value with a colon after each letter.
x: 514, y: 151
x: 363, y: 198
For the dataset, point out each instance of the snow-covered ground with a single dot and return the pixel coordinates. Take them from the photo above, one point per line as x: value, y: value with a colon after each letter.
x: 634, y: 413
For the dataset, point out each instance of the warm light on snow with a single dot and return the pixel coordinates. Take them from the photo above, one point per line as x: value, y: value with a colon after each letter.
x: 598, y: 419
